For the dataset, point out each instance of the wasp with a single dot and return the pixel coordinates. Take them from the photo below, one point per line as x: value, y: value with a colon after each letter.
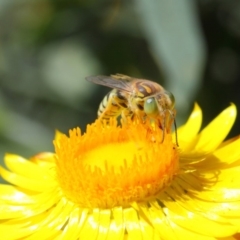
x: 133, y: 97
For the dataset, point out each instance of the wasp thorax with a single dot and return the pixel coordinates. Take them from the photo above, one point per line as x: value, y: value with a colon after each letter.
x: 150, y: 106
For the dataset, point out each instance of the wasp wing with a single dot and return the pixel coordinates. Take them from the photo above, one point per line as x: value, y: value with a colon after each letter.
x: 119, y: 81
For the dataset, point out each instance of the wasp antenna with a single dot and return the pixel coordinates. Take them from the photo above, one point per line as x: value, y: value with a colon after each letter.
x: 164, y: 124
x: 175, y: 127
x: 176, y: 135
x: 163, y: 136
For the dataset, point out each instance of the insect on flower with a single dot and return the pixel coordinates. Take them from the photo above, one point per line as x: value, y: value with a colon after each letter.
x: 136, y: 98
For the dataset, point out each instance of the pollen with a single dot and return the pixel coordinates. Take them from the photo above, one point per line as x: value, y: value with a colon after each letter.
x: 111, y: 166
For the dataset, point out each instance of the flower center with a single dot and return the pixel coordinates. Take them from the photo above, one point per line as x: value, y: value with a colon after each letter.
x: 114, y: 166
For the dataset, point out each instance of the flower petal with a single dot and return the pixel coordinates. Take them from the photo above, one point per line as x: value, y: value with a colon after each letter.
x: 160, y: 222
x: 220, y: 195
x: 45, y: 160
x: 116, y: 229
x: 12, y: 233
x: 193, y: 221
x: 90, y: 228
x: 183, y: 233
x: 72, y: 229
x: 145, y: 221
x: 25, y: 168
x: 224, y: 178
x: 179, y: 232
x: 51, y: 226
x: 191, y: 128
x: 27, y: 183
x: 9, y: 193
x: 147, y: 230
x: 219, y: 128
x: 229, y: 153
x: 131, y: 222
x: 223, y: 213
x: 58, y: 135
x: 104, y: 223
x: 225, y: 209
x: 168, y: 229
x: 14, y: 210
x: 7, y: 211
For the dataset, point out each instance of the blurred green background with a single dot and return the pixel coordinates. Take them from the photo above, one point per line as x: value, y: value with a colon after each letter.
x: 48, y: 47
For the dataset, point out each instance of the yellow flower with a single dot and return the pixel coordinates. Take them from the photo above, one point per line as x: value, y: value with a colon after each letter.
x: 125, y: 183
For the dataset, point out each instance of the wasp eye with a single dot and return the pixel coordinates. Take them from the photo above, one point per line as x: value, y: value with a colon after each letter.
x: 150, y: 106
x: 171, y: 98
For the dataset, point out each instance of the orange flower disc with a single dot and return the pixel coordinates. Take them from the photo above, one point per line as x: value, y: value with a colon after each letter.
x: 112, y: 166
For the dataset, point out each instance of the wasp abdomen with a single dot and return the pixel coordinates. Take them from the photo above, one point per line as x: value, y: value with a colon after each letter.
x: 112, y: 105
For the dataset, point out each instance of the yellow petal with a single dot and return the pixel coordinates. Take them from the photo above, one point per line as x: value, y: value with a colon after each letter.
x: 219, y: 128
x: 25, y: 168
x: 193, y: 221
x: 7, y: 211
x: 147, y: 230
x: 229, y: 153
x: 44, y: 233
x: 220, y: 195
x: 183, y: 233
x: 132, y: 224
x: 72, y: 229
x: 12, y: 233
x: 90, y: 228
x: 226, y: 178
x: 116, y: 228
x: 168, y: 229
x: 58, y: 135
x: 19, y: 228
x: 191, y: 128
x: 9, y: 193
x: 45, y: 160
x: 104, y: 222
x: 27, y: 183
x: 191, y: 204
x: 77, y: 219
x: 161, y: 223
x: 14, y: 210
x: 206, y: 190
x: 145, y: 221
x: 51, y: 226
x: 13, y: 196
x: 225, y: 209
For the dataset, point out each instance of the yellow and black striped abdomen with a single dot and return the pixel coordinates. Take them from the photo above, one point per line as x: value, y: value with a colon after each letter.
x: 113, y: 104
